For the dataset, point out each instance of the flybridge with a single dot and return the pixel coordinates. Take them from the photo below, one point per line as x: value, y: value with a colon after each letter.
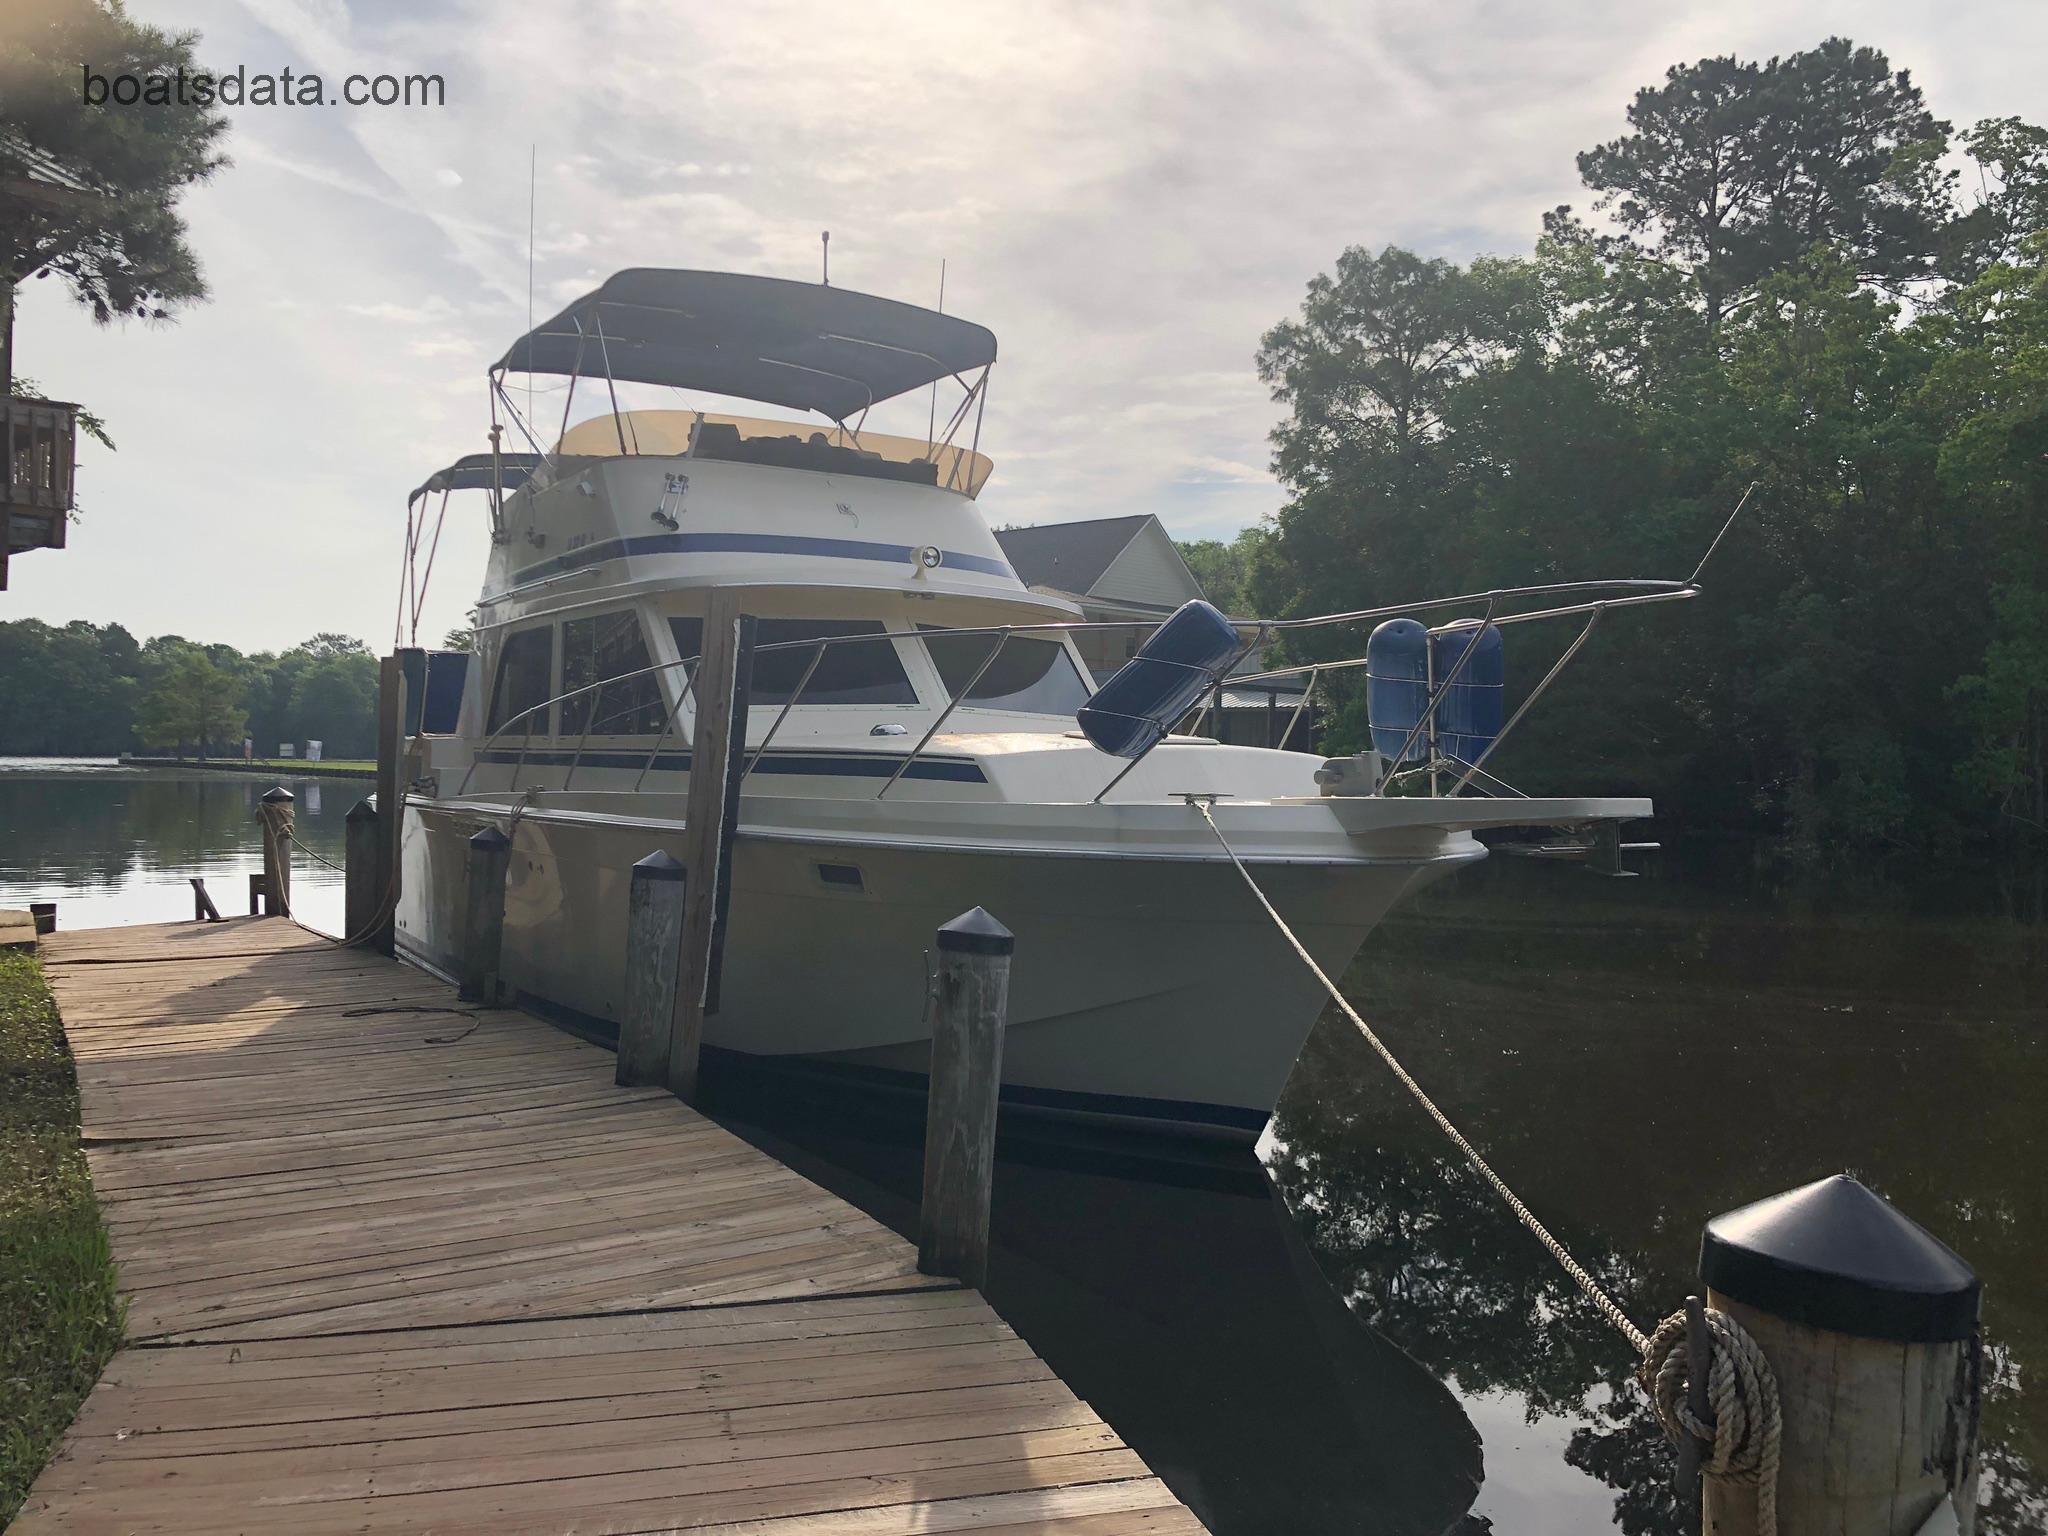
x: 804, y: 346
x: 800, y: 345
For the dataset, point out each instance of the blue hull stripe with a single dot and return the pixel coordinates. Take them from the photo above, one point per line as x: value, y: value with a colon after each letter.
x: 750, y: 544
x: 856, y: 765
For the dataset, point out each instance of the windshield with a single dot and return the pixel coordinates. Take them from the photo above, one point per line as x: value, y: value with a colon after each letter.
x: 1031, y: 675
x: 846, y: 674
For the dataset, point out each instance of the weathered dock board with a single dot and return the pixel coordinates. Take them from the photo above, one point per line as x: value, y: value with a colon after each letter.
x: 395, y: 1264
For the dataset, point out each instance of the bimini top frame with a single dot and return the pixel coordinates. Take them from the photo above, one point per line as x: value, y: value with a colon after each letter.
x: 804, y: 346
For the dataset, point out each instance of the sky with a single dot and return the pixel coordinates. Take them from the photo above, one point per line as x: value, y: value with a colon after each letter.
x: 1129, y: 194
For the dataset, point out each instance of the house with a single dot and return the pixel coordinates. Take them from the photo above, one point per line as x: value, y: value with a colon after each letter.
x: 38, y: 438
x: 1128, y: 568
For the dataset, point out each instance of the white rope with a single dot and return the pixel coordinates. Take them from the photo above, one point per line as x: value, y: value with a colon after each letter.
x: 1743, y: 1440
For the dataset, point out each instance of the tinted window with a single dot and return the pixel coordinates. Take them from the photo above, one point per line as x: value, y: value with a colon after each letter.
x: 525, y: 672
x: 869, y: 673
x: 609, y: 645
x: 1031, y: 676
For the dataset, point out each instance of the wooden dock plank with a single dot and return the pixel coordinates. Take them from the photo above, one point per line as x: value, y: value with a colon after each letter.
x: 394, y: 1264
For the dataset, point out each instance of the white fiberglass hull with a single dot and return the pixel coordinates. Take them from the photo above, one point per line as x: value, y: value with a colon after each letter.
x: 1143, y: 986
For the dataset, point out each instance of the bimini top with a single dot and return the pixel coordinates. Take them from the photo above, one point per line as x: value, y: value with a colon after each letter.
x: 473, y: 472
x: 800, y: 345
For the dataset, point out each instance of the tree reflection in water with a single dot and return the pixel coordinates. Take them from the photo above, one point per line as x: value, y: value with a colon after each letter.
x: 1633, y: 1061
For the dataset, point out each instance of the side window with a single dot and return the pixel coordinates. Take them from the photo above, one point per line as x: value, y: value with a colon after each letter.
x: 525, y: 671
x: 608, y: 645
x: 869, y: 673
x: 1031, y: 676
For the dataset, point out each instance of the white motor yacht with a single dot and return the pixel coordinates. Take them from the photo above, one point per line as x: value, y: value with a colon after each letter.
x: 912, y: 747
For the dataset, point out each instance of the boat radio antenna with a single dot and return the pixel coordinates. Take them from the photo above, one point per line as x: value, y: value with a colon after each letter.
x: 1694, y: 578
x: 825, y: 250
x: 931, y: 427
x: 532, y: 193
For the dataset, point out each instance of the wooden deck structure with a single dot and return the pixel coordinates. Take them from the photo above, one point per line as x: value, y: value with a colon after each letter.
x: 394, y: 1264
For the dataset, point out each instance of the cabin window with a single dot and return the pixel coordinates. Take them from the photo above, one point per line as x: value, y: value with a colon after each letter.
x: 1031, y: 676
x: 609, y: 645
x: 525, y: 678
x: 869, y: 673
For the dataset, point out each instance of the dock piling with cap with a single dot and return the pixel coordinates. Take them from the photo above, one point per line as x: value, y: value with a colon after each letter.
x: 654, y: 942
x: 968, y: 1013
x: 276, y: 810
x: 362, y: 868
x: 483, y: 924
x: 1870, y: 1325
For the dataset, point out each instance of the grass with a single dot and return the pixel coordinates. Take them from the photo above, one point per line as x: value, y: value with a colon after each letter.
x: 60, y: 1316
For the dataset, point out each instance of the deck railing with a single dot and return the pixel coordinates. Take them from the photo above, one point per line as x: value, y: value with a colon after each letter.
x: 1592, y: 599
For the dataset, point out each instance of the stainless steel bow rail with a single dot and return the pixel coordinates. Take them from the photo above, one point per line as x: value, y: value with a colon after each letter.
x: 523, y: 725
x: 1497, y: 609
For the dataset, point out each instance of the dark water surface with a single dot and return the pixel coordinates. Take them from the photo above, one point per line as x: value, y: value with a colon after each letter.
x: 1348, y: 1333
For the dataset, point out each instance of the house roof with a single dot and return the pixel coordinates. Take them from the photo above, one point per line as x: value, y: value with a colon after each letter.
x: 1069, y: 557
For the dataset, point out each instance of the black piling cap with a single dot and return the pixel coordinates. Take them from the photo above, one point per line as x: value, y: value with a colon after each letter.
x: 364, y: 809
x: 658, y: 865
x: 1833, y: 1255
x: 490, y: 839
x: 976, y: 933
x: 273, y: 796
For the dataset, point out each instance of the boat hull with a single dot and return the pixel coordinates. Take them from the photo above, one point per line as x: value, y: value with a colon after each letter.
x: 1144, y: 989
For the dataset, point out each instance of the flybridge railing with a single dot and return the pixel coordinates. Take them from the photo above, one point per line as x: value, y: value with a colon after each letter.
x: 1593, y: 599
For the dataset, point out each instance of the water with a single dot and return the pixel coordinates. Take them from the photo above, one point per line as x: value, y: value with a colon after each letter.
x: 1349, y: 1333
x: 113, y: 845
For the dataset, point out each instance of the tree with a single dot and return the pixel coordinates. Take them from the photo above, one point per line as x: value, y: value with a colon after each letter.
x: 92, y: 190
x: 1735, y: 169
x: 190, y: 697
x: 1223, y: 570
x: 335, y: 702
x: 1377, y: 347
x: 327, y: 644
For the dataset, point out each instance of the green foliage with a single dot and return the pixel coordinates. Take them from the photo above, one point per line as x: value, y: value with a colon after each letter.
x: 1734, y: 169
x: 189, y: 698
x: 60, y: 1314
x: 84, y: 691
x: 121, y: 249
x: 1838, y: 329
x: 1224, y: 570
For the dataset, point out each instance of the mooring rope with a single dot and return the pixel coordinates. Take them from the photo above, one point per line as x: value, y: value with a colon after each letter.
x: 1741, y: 1444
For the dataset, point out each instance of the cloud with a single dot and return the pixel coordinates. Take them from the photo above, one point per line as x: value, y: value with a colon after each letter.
x: 1128, y: 195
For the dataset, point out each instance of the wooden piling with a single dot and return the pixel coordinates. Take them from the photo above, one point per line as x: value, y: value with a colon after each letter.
x: 711, y: 807
x: 203, y: 909
x: 968, y: 1013
x: 1870, y: 1326
x: 276, y: 810
x: 390, y: 792
x: 483, y: 915
x: 362, y: 865
x: 654, y: 937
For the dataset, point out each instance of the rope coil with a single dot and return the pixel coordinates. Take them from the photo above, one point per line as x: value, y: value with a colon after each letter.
x: 1742, y: 1439
x: 1742, y: 1444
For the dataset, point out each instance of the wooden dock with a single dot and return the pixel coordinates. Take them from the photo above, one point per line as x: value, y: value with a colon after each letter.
x: 394, y: 1264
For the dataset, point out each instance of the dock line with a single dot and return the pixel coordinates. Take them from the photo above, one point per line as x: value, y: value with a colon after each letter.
x: 1742, y: 1440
